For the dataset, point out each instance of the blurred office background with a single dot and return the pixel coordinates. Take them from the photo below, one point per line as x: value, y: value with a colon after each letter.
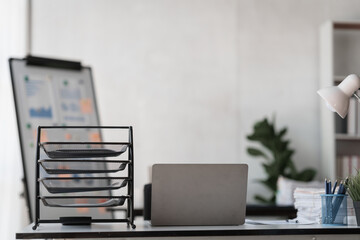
x: 191, y: 76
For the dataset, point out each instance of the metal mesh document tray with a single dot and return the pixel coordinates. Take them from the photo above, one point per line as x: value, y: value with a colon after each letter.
x: 81, y: 184
x: 70, y: 166
x: 83, y: 202
x: 83, y: 149
x: 75, y: 174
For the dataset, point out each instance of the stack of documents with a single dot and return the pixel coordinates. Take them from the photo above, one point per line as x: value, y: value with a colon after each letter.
x: 286, y: 188
x: 308, y: 204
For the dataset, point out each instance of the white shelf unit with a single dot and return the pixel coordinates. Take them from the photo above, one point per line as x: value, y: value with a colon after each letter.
x: 339, y: 57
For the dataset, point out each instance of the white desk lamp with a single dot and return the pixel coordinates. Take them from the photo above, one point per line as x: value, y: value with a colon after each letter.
x: 337, y: 97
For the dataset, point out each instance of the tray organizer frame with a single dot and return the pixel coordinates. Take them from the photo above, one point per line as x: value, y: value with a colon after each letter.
x: 87, y: 220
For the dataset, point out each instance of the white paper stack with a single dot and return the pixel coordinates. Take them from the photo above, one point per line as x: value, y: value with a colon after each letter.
x: 286, y: 188
x: 308, y: 204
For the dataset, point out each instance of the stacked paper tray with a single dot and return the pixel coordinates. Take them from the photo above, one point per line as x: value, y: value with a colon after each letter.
x: 82, y: 184
x: 83, y: 149
x: 83, y: 202
x: 83, y: 174
x: 56, y: 166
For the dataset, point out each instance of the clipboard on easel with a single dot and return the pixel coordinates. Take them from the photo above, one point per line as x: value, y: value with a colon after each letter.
x: 51, y: 92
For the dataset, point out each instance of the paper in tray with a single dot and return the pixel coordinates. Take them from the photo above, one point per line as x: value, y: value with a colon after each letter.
x: 82, y: 150
x: 83, y: 202
x: 82, y: 166
x: 87, y: 185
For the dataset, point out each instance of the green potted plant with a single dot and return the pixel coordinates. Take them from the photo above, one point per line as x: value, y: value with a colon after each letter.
x: 353, y: 189
x: 278, y: 156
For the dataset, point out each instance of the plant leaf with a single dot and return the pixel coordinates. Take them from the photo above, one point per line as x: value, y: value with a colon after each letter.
x: 282, y: 132
x: 255, y: 152
x: 270, y: 183
x: 306, y: 175
x: 271, y: 170
x: 353, y: 187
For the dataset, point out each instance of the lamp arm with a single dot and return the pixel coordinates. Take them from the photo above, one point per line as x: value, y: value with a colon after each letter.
x: 357, y: 97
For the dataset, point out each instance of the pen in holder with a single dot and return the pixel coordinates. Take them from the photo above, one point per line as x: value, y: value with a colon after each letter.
x: 334, y: 209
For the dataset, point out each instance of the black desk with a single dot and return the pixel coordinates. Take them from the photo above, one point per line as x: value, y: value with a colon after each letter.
x: 145, y: 230
x: 286, y: 212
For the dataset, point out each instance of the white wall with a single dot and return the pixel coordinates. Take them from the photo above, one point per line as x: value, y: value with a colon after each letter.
x: 192, y: 76
x: 13, y: 215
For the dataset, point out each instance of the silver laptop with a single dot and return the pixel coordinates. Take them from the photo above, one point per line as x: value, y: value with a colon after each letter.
x: 198, y: 194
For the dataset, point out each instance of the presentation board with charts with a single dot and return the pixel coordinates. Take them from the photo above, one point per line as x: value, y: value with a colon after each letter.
x: 51, y: 92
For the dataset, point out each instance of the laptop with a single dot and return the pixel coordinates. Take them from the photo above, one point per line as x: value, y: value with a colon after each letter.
x: 198, y: 194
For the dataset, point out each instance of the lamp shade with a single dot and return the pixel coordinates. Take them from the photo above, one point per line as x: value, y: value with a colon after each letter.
x: 337, y: 97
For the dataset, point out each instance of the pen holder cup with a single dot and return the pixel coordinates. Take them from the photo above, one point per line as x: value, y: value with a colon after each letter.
x: 334, y: 209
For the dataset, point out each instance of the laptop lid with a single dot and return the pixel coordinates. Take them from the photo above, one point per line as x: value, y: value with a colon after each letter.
x: 198, y: 194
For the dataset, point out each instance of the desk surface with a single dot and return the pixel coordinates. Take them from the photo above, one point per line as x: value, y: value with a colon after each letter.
x: 144, y: 229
